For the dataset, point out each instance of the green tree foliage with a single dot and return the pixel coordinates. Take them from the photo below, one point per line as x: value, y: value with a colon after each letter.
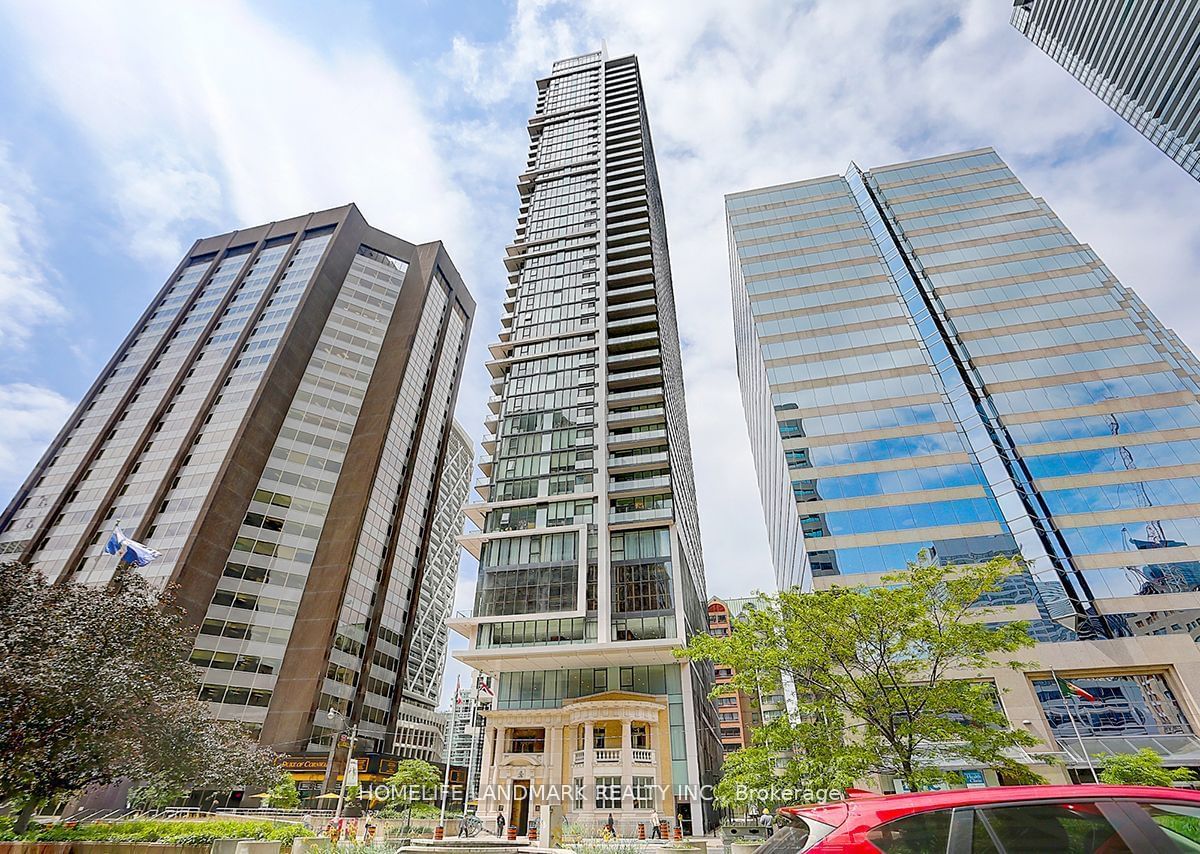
x: 284, y: 795
x: 415, y: 780
x: 95, y: 687
x: 1143, y: 768
x: 889, y: 679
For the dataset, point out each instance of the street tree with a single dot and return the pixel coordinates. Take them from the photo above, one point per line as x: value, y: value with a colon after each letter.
x: 284, y: 795
x: 788, y: 757
x: 95, y: 687
x: 1144, y: 768
x: 415, y: 780
x: 889, y: 679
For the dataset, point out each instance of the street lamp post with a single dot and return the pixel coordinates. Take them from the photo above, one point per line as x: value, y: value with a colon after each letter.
x: 346, y: 773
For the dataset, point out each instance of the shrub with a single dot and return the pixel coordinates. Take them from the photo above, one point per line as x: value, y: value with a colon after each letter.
x: 179, y: 831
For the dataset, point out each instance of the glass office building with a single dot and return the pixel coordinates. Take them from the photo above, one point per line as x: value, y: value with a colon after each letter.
x: 930, y: 362
x: 590, y: 569
x: 277, y: 424
x: 1141, y: 57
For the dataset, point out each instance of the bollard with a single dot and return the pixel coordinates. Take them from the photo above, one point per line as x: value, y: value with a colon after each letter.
x: 439, y: 833
x: 511, y: 836
x: 641, y: 831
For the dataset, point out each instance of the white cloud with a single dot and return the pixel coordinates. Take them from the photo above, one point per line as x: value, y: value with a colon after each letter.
x: 27, y: 299
x: 210, y: 116
x: 30, y: 416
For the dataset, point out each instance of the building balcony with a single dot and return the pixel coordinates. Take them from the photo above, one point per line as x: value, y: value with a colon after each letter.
x: 612, y: 756
x: 617, y: 379
x: 635, y: 358
x: 494, y: 403
x: 632, y: 440
x: 635, y: 461
x: 631, y: 293
x: 637, y: 416
x: 616, y: 517
x: 650, y: 394
x: 627, y: 325
x: 632, y: 309
x: 619, y: 487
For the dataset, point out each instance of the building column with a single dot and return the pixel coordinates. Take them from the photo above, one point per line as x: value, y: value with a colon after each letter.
x: 626, y: 765
x: 589, y: 765
x: 553, y: 754
x: 486, y: 774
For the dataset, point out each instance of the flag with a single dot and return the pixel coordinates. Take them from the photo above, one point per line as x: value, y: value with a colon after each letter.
x: 1065, y: 688
x: 114, y: 542
x: 484, y: 693
x: 135, y: 553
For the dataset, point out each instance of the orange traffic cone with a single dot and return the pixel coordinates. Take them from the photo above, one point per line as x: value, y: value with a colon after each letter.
x: 532, y: 833
x: 641, y: 831
x: 678, y: 832
x: 512, y: 833
x: 439, y: 833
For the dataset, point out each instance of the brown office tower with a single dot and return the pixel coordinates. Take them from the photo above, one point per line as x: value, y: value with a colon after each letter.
x: 275, y: 425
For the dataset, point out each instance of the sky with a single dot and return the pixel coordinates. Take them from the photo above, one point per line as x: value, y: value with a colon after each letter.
x: 129, y: 129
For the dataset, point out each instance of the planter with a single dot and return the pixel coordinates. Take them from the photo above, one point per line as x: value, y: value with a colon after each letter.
x: 743, y: 847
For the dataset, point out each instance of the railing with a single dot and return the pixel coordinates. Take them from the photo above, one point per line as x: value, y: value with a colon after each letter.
x: 638, y: 459
x: 647, y: 515
x: 643, y: 756
x: 608, y: 755
x: 656, y: 482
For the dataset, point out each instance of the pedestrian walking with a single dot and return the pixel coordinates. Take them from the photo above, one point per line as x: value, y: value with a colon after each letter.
x: 764, y: 821
x: 655, y: 830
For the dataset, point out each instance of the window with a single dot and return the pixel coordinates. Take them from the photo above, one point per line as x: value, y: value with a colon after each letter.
x: 790, y: 839
x: 1180, y: 823
x: 608, y: 793
x: 578, y: 791
x: 922, y: 833
x: 1078, y: 828
x: 643, y: 793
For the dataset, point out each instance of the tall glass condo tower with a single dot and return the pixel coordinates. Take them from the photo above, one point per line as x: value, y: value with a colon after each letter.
x: 931, y: 361
x: 589, y: 548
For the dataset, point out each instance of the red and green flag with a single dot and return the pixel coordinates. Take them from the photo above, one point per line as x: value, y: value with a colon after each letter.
x: 1066, y: 688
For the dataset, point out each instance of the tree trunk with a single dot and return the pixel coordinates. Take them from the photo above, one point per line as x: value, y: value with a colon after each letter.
x: 22, y: 820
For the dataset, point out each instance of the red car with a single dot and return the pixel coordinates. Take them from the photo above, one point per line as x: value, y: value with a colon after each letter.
x: 1001, y: 820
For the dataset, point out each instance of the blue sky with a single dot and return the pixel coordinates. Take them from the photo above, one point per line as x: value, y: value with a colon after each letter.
x: 129, y: 129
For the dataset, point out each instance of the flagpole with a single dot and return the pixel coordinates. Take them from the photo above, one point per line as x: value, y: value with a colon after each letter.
x: 1067, y: 705
x: 446, y: 757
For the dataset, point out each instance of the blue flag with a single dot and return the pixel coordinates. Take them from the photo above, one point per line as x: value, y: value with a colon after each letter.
x: 135, y: 553
x: 114, y: 542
